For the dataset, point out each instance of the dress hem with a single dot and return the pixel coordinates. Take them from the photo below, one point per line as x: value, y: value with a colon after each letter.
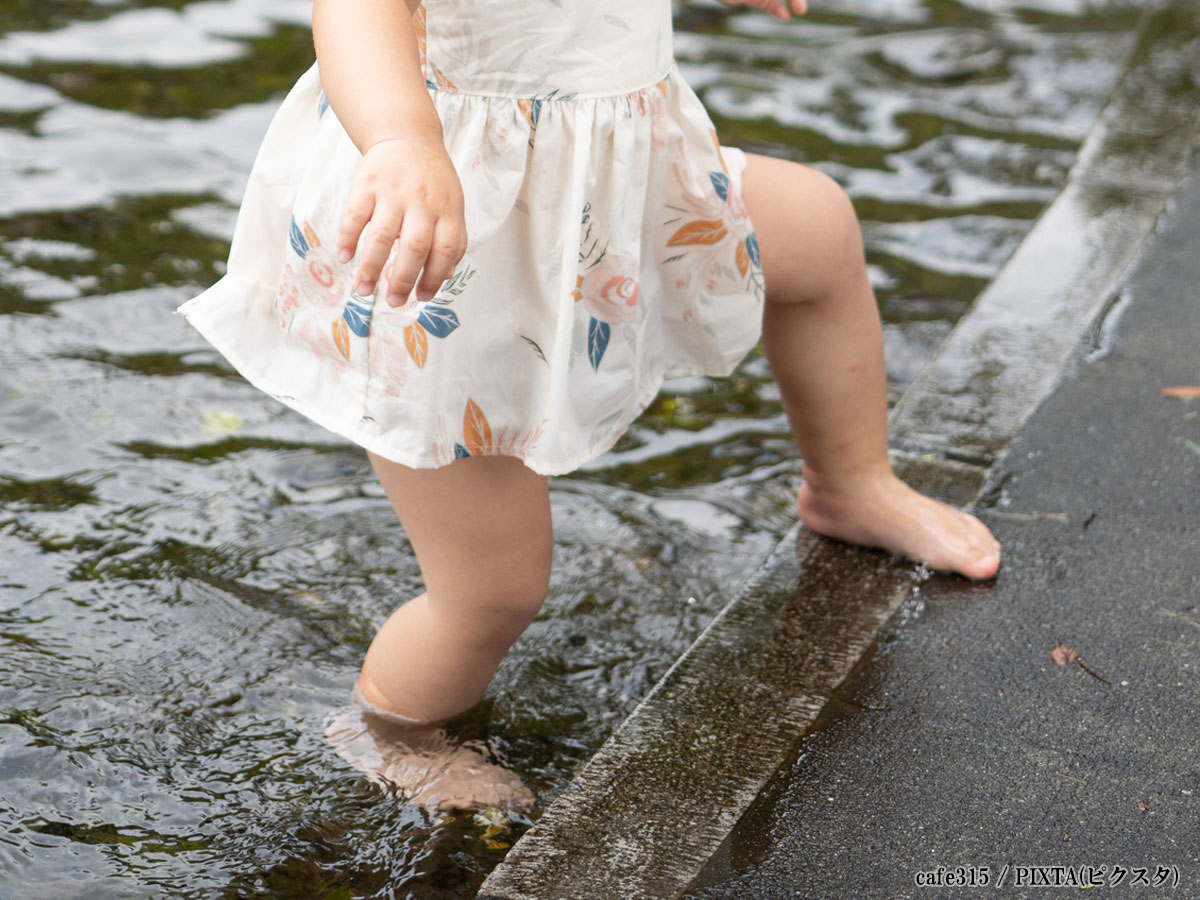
x: 333, y: 424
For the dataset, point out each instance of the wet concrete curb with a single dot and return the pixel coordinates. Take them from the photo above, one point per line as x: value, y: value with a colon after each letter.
x: 656, y: 801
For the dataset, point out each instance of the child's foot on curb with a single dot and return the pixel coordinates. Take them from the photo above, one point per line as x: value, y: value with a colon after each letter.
x: 421, y: 763
x: 885, y: 512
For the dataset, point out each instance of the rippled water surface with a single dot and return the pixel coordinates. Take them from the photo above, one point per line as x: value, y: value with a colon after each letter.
x: 191, y: 573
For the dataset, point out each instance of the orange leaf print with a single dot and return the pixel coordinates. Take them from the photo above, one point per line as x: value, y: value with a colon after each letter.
x: 476, y: 432
x: 418, y: 21
x: 417, y: 343
x: 443, y: 83
x: 310, y: 235
x: 341, y: 337
x: 698, y: 232
x: 742, y: 257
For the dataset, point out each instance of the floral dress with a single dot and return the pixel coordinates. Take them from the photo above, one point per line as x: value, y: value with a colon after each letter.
x: 608, y: 247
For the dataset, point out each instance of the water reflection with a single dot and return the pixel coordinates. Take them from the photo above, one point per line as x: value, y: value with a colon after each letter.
x: 193, y: 572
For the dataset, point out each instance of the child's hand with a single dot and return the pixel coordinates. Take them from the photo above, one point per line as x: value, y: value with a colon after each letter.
x: 778, y: 8
x: 409, y: 192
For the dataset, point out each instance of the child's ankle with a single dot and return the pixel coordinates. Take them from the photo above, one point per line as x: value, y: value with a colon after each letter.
x: 367, y: 694
x: 834, y: 486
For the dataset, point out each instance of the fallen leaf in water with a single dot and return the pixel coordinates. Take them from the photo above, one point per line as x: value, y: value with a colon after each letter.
x: 1143, y: 806
x: 1181, y: 392
x: 1064, y: 655
x: 221, y: 423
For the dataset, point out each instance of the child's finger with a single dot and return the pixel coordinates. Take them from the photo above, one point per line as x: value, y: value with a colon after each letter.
x: 799, y: 7
x: 381, y: 235
x: 443, y: 256
x: 779, y: 9
x: 416, y: 237
x: 359, y: 207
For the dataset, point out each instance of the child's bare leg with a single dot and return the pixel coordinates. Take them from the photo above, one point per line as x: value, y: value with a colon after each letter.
x: 481, y: 531
x: 824, y: 343
x: 482, y: 534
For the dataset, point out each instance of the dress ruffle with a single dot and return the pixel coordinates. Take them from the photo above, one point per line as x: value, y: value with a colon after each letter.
x: 608, y: 249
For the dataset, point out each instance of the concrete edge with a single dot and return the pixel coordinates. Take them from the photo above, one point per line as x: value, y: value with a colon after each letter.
x: 661, y: 795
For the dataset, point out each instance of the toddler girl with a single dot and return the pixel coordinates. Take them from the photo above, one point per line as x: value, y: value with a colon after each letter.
x: 476, y: 239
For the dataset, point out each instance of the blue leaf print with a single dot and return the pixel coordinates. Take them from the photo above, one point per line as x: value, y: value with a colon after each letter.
x: 535, y: 109
x: 752, y: 248
x: 357, y: 315
x: 299, y: 242
x: 322, y: 105
x: 460, y: 451
x: 598, y: 334
x: 438, y: 320
x: 721, y: 182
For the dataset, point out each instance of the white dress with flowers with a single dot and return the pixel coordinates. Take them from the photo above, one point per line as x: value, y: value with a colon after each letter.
x: 608, y: 247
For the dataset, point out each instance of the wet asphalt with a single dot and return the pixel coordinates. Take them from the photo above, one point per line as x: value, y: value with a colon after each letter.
x: 960, y: 742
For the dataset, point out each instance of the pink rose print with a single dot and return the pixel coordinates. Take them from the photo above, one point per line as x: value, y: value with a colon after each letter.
x: 323, y: 282
x: 610, y: 289
x: 606, y: 283
x: 610, y: 294
x: 317, y: 278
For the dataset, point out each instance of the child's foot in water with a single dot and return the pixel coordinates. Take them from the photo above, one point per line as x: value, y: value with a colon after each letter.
x: 885, y: 512
x: 420, y: 762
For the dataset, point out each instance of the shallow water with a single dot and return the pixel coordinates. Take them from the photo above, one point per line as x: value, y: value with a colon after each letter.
x: 192, y: 572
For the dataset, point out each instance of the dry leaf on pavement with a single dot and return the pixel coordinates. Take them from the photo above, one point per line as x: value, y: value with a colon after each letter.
x: 1064, y: 655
